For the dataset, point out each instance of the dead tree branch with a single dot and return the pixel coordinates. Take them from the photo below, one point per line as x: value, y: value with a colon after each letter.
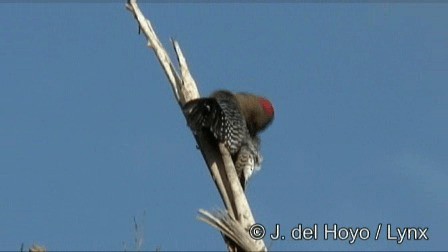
x: 234, y: 223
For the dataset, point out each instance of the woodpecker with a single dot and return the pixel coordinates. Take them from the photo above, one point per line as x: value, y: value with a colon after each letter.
x: 234, y: 119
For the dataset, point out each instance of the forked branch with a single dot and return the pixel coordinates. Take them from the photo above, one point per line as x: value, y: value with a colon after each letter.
x: 236, y: 220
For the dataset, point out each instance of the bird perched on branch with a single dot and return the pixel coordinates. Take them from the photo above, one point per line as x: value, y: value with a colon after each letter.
x: 234, y: 119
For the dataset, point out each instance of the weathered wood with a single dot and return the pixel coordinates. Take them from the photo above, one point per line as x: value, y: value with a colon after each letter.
x: 234, y: 223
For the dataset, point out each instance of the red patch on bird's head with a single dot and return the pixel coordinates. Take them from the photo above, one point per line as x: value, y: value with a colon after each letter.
x: 267, y: 106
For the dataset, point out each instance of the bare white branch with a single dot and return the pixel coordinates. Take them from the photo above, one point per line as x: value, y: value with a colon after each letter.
x: 232, y: 229
x: 236, y: 220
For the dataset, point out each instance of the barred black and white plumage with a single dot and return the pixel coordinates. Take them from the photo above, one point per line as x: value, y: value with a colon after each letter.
x: 248, y: 160
x: 231, y: 127
x: 235, y: 120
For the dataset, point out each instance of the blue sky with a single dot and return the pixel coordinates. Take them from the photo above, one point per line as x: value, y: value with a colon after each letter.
x: 91, y: 135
